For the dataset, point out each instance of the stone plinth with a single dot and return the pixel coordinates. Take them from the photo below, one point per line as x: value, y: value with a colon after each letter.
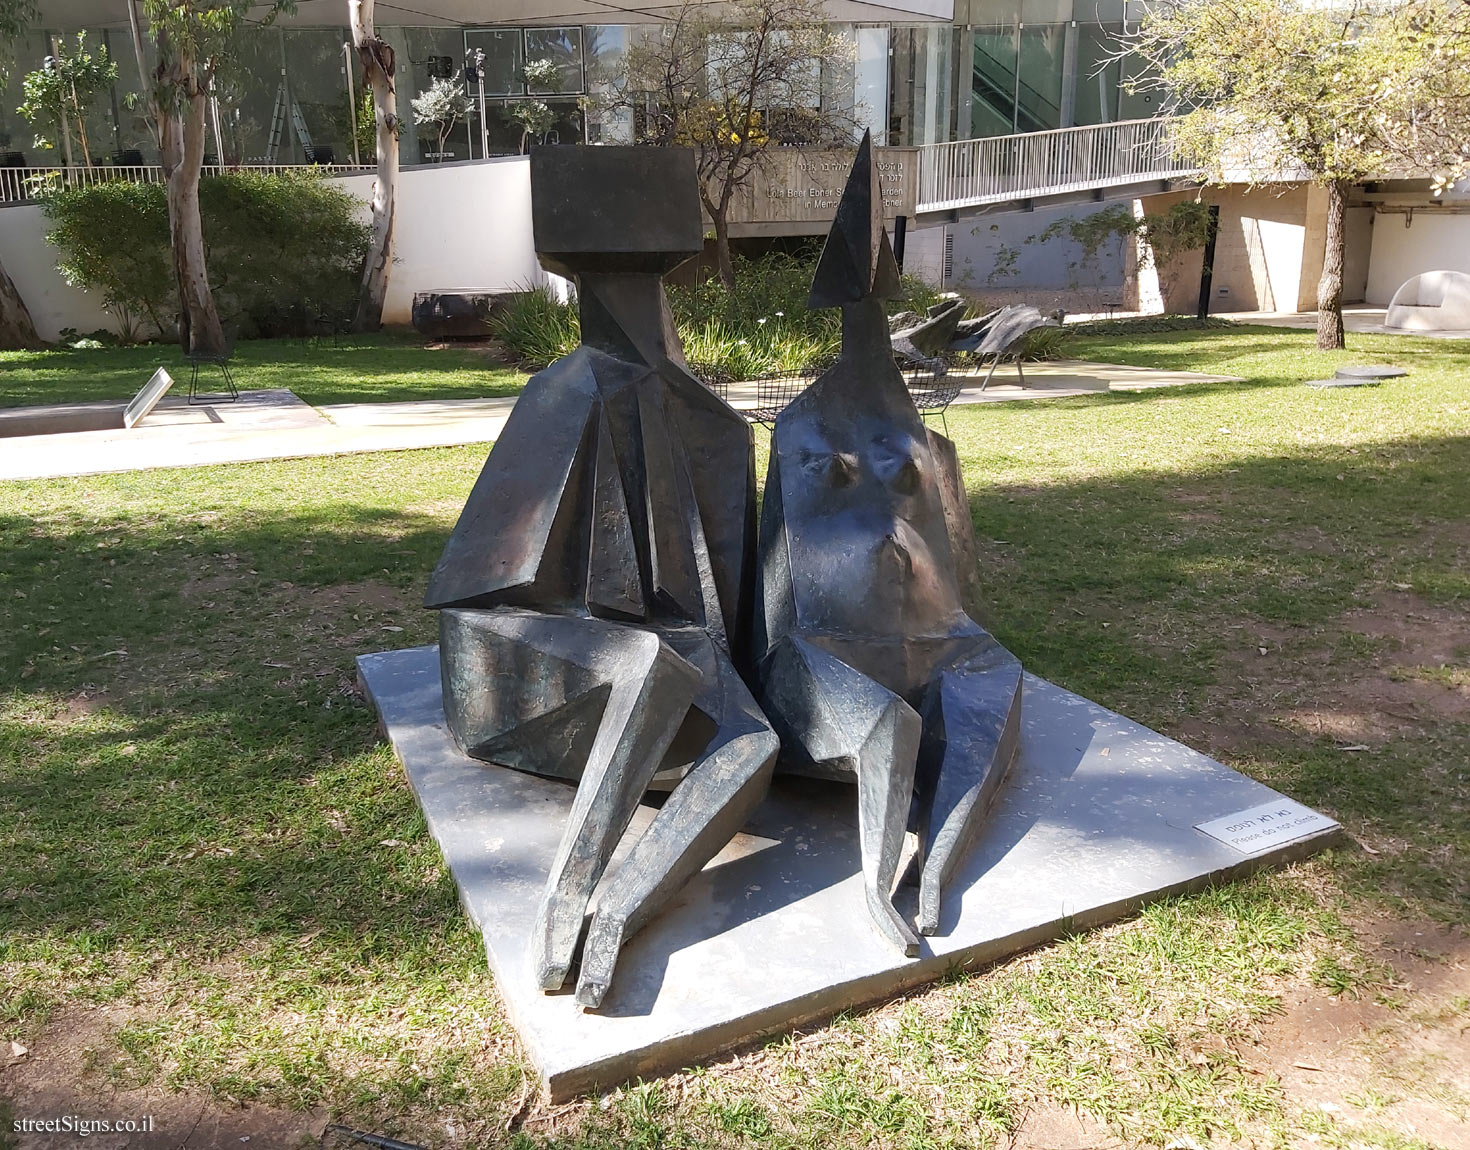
x: 1099, y: 816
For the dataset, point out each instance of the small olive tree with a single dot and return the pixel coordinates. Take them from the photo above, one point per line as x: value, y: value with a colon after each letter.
x: 1333, y: 93
x: 443, y: 104
x: 58, y: 94
x: 730, y: 81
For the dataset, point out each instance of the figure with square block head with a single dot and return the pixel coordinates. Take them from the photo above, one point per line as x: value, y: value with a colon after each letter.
x: 596, y: 590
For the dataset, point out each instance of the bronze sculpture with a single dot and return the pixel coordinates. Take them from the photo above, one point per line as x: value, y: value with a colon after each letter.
x: 869, y: 666
x: 597, y: 585
x: 598, y: 594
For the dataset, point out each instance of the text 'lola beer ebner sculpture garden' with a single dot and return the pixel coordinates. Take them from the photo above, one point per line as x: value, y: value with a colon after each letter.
x: 701, y: 779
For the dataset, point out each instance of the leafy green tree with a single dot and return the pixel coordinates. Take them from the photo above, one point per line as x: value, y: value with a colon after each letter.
x: 730, y: 81
x: 443, y: 104
x: 1330, y: 93
x: 58, y: 94
x: 193, y: 38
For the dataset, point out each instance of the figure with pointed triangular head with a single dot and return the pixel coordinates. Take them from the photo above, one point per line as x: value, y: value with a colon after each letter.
x: 869, y: 667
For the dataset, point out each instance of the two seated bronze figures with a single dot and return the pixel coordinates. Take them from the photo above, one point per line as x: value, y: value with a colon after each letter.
x: 612, y: 616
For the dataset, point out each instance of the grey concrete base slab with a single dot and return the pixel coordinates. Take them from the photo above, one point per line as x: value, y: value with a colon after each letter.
x: 1349, y: 381
x: 1099, y: 816
x: 1370, y: 371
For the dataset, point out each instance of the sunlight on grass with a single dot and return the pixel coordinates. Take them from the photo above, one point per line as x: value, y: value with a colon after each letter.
x: 384, y: 368
x: 205, y: 835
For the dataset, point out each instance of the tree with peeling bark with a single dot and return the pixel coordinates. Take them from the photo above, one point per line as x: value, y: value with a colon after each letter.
x: 192, y: 39
x: 378, y: 65
x: 17, y: 329
x: 1334, y: 94
x: 731, y: 81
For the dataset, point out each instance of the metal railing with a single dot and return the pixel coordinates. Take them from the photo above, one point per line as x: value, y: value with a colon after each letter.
x: 18, y: 185
x: 995, y: 169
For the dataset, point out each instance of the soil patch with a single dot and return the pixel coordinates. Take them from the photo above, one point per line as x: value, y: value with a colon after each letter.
x: 54, y: 1080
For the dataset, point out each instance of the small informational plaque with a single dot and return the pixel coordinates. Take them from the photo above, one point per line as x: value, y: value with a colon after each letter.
x: 147, y: 399
x: 1268, y: 825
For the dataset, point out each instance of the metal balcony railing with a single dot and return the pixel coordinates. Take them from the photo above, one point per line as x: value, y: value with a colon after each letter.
x: 995, y: 169
x: 18, y: 185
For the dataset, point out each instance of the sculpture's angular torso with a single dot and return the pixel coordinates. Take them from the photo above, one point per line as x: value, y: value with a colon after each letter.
x: 597, y: 586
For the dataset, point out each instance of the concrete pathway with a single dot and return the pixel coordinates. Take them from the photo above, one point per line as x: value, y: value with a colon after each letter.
x: 1358, y: 319
x: 278, y: 425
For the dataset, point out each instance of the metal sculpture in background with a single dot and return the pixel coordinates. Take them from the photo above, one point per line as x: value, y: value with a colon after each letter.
x: 869, y: 668
x: 596, y: 589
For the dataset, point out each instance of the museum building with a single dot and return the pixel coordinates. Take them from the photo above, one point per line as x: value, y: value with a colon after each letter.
x: 919, y: 72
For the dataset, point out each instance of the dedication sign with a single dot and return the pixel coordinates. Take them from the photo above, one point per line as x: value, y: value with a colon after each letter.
x: 802, y: 186
x: 1266, y: 826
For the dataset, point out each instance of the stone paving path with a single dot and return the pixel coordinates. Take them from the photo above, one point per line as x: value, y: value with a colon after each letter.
x: 1360, y: 319
x: 276, y: 424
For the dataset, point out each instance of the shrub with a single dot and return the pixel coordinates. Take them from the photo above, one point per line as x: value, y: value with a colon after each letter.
x: 1045, y: 343
x: 775, y: 288
x: 762, y: 326
x: 537, y: 328
x: 113, y: 239
x: 772, y: 288
x: 283, y: 251
x: 767, y: 348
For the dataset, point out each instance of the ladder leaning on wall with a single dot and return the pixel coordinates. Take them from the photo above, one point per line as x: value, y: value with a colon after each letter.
x: 286, y: 103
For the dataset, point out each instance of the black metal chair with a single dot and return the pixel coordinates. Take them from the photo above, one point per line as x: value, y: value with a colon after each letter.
x: 773, y: 392
x: 932, y: 388
x: 714, y: 377
x: 196, y: 361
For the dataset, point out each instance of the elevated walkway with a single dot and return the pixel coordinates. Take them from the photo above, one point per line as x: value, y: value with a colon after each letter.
x: 969, y: 176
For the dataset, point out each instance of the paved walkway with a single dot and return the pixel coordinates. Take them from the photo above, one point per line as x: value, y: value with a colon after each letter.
x: 279, y: 425
x: 1356, y: 318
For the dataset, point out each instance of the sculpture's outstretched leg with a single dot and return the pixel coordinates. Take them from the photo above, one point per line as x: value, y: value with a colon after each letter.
x: 838, y: 715
x: 704, y: 812
x: 624, y: 681
x: 972, y: 721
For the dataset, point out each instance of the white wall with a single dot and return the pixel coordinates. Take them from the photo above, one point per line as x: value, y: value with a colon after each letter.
x: 1430, y: 243
x: 31, y: 262
x: 465, y: 225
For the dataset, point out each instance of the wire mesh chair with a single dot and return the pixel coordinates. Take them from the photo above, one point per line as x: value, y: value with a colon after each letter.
x: 714, y: 377
x: 198, y: 360
x: 775, y: 390
x: 932, y: 388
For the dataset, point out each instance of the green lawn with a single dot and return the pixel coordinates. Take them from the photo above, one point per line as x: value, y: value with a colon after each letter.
x: 201, y: 832
x: 355, y: 369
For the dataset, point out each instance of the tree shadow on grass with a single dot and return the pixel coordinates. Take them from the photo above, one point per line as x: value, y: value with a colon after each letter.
x: 221, y: 786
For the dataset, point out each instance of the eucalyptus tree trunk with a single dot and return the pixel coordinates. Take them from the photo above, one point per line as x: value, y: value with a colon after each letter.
x: 182, y: 146
x: 1329, y: 287
x: 17, y: 329
x: 378, y: 66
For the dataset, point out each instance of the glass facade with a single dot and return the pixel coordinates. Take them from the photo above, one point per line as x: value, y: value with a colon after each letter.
x: 1003, y: 66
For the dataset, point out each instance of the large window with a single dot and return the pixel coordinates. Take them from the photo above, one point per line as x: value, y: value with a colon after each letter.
x: 1097, y: 74
x: 920, y: 101
x: 545, y: 110
x: 1039, y: 94
x: 993, y: 81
